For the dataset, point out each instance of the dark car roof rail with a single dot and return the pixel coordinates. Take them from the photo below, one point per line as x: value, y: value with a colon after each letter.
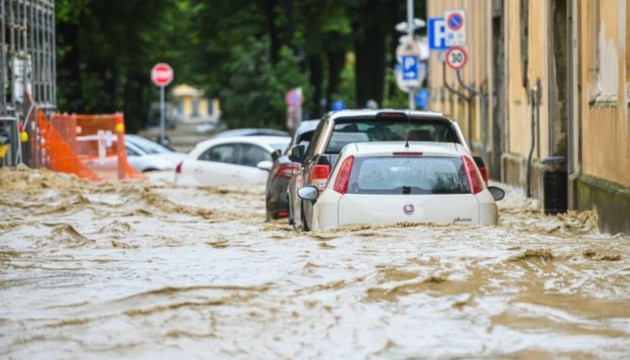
x: 368, y: 112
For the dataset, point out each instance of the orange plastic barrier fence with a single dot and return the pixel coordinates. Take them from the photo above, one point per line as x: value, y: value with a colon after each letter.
x: 89, y: 146
x: 56, y: 154
x: 98, y: 142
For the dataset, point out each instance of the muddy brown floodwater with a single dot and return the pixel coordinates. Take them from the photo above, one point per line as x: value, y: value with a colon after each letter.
x: 148, y: 270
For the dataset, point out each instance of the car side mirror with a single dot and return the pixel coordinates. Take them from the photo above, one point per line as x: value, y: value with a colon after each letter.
x: 296, y: 154
x: 309, y: 193
x: 265, y: 165
x: 497, y: 193
x: 275, y: 155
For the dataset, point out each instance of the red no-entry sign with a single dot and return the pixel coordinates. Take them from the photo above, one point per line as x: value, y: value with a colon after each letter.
x: 162, y: 74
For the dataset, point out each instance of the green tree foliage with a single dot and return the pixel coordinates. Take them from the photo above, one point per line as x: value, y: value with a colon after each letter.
x: 254, y: 95
x: 246, y: 53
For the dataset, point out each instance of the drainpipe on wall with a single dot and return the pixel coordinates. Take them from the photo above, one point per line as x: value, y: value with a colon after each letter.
x: 538, y: 89
x: 573, y: 112
x: 454, y: 91
x: 535, y: 95
x: 483, y: 103
x: 449, y: 87
x: 484, y: 122
x: 531, y: 148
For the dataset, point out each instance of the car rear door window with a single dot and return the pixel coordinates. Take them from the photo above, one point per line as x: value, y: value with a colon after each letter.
x: 408, y: 175
x: 225, y: 153
x: 251, y: 155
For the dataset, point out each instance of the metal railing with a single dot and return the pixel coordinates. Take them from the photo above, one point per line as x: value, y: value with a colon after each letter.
x: 28, y: 65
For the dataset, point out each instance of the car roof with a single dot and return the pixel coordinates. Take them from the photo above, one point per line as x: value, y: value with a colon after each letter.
x: 258, y: 140
x: 136, y: 137
x: 369, y: 112
x: 251, y: 132
x: 308, y: 125
x: 389, y: 147
x: 138, y: 141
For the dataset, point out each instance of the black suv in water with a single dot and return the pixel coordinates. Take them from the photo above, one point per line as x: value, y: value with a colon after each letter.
x: 276, y: 198
x: 339, y: 128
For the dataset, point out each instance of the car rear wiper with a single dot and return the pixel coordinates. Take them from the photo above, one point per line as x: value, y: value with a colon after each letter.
x: 406, y: 190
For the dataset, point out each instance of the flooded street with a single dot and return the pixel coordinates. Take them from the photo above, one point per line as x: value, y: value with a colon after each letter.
x: 148, y: 270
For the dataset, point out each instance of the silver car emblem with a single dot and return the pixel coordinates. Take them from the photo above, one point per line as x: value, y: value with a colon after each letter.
x: 408, y: 209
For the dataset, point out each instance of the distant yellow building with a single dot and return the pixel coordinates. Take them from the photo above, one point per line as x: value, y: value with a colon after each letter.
x: 555, y: 76
x: 191, y: 105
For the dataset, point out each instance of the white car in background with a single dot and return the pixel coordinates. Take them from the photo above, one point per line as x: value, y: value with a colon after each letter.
x: 232, y: 161
x: 388, y: 182
x: 146, y: 155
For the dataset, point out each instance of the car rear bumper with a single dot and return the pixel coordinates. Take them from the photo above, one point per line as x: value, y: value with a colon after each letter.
x: 333, y: 209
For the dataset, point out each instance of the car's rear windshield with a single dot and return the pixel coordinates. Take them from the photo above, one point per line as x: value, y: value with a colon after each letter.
x: 148, y: 146
x: 408, y: 175
x: 370, y: 129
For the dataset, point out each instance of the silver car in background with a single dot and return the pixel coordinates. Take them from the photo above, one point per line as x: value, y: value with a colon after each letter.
x: 146, y: 155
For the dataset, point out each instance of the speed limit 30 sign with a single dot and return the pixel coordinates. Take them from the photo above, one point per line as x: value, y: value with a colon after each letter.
x: 456, y: 58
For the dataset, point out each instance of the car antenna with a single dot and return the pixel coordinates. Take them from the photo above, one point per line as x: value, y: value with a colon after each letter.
x: 408, y: 129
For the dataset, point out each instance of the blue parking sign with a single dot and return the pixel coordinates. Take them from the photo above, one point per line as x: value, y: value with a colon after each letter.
x: 410, y: 67
x: 437, y: 34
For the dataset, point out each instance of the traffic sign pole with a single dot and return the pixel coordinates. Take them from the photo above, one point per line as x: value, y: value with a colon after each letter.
x: 412, y: 103
x: 162, y: 117
x: 162, y: 75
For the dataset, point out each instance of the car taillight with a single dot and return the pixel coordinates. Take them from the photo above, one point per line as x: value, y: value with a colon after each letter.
x: 484, y: 173
x: 178, y: 168
x: 476, y: 185
x: 286, y: 170
x: 407, y: 153
x: 319, y: 176
x: 343, y: 177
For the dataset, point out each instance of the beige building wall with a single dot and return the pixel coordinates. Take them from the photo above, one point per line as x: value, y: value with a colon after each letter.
x: 604, y: 133
x: 519, y: 99
x: 605, y: 128
x: 476, y: 73
x: 585, y: 77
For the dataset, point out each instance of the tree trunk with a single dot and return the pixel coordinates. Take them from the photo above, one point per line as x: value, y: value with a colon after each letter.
x: 370, y: 65
x: 317, y: 75
x: 336, y: 61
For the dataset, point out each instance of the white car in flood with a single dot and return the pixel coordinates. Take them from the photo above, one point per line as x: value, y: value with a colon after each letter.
x: 381, y: 183
x: 234, y: 161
